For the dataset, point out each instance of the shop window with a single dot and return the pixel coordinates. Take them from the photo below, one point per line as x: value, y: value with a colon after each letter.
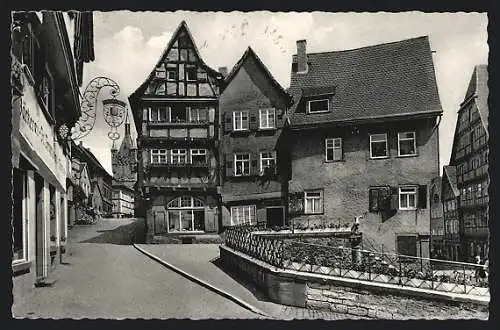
x: 244, y: 214
x: 19, y: 216
x: 186, y: 213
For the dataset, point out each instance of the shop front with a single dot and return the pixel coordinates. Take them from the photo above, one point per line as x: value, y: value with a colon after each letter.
x: 39, y: 188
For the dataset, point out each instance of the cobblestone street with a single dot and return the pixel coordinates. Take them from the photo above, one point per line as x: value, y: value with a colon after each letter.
x: 102, y: 280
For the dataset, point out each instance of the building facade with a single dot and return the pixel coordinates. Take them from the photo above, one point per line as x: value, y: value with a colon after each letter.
x: 364, y: 142
x: 124, y: 164
x: 450, y: 198
x: 176, y: 116
x: 252, y: 108
x: 45, y: 106
x: 470, y: 158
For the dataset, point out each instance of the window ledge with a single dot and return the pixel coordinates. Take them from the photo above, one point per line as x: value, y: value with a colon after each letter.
x: 408, y: 209
x: 267, y: 128
x: 20, y: 268
x: 316, y: 112
x: 406, y: 156
x: 313, y: 213
x: 335, y: 161
x: 383, y: 157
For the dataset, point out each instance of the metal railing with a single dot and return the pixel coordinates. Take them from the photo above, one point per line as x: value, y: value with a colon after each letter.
x: 353, y: 263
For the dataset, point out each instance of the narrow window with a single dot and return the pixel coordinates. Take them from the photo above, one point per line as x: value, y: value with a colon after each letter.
x: 378, y: 146
x: 317, y: 106
x: 267, y: 118
x: 241, y: 164
x: 313, y: 202
x: 267, y: 160
x: 407, y: 144
x: 333, y: 149
x: 240, y: 120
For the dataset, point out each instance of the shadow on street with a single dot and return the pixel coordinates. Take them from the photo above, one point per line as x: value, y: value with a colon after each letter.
x: 259, y: 295
x: 126, y: 234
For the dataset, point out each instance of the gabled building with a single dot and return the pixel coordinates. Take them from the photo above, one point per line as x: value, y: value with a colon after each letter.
x: 470, y: 158
x: 364, y: 141
x: 124, y: 164
x: 450, y: 198
x: 175, y: 112
x: 252, y: 108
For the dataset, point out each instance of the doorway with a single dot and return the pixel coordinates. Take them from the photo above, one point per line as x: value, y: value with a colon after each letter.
x: 39, y: 223
x: 275, y: 216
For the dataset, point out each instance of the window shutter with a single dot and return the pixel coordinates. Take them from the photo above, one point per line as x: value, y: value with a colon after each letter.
x: 394, y: 198
x: 228, y: 126
x: 373, y: 200
x: 229, y: 165
x: 169, y: 112
x: 253, y: 124
x: 254, y: 166
x: 296, y: 203
x: 422, y: 197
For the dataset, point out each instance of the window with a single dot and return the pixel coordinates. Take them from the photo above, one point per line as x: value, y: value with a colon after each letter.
x: 198, y: 156
x: 240, y: 120
x: 313, y: 202
x: 267, y: 118
x: 158, y: 114
x: 185, y: 214
x: 317, y: 106
x: 407, y: 245
x: 198, y: 115
x: 241, y: 164
x: 378, y: 146
x: 171, y: 74
x: 333, y: 149
x: 267, y: 160
x: 158, y: 156
x: 407, y: 198
x: 179, y: 113
x: 244, y: 214
x: 178, y: 156
x: 20, y: 211
x: 379, y: 199
x: 191, y: 74
x: 407, y: 144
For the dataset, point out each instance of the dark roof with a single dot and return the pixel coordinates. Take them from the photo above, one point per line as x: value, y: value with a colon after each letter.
x: 478, y: 88
x: 385, y: 80
x: 90, y: 157
x: 124, y: 184
x: 451, y: 174
x: 249, y: 53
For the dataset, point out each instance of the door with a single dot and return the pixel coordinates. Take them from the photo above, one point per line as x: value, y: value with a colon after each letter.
x: 275, y: 216
x: 39, y: 223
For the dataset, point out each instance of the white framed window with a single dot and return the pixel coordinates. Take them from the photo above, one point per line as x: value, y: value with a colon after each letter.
x: 378, y: 146
x: 159, y: 114
x: 19, y: 213
x: 407, y: 198
x: 198, y: 115
x: 244, y: 214
x: 158, y: 156
x: 407, y: 144
x: 315, y: 106
x: 241, y: 164
x: 178, y: 156
x: 267, y: 118
x: 185, y: 213
x: 240, y: 120
x: 333, y: 149
x: 313, y: 202
x: 198, y: 156
x: 267, y: 159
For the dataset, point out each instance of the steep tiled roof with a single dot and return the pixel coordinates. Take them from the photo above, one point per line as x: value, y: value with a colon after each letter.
x: 478, y: 87
x: 451, y: 173
x: 384, y: 80
x: 249, y: 53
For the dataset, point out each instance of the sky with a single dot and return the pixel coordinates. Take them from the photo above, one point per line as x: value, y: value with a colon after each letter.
x: 128, y: 45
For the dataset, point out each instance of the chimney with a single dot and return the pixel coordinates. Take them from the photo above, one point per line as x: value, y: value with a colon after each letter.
x: 301, y: 56
x: 223, y: 71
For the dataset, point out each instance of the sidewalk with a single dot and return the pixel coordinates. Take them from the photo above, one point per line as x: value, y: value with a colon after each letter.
x: 196, y: 260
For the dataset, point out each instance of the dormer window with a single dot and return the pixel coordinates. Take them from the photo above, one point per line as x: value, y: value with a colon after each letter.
x: 317, y: 106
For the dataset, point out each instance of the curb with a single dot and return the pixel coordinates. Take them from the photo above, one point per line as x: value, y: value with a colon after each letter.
x: 203, y: 283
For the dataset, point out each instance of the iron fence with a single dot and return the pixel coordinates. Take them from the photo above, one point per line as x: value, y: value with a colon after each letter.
x: 407, y: 271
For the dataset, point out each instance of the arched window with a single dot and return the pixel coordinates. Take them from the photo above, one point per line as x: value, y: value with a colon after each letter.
x: 186, y: 214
